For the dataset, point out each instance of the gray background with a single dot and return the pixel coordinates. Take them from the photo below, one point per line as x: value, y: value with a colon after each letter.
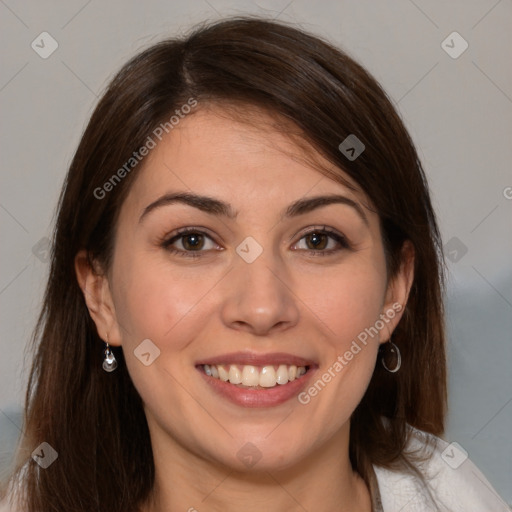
x: 459, y: 113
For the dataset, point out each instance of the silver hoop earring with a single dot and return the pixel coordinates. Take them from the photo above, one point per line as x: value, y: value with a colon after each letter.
x: 390, y: 351
x: 109, y: 361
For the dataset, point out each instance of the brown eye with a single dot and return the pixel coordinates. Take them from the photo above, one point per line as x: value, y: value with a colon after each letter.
x: 316, y: 241
x: 323, y: 241
x: 189, y: 243
x: 193, y: 241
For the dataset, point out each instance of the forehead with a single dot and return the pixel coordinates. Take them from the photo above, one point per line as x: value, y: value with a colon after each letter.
x: 244, y: 157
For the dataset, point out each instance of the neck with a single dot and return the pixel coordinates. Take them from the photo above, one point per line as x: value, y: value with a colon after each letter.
x: 323, y: 481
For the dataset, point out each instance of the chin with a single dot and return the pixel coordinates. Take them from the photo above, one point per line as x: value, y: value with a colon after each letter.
x: 261, y: 452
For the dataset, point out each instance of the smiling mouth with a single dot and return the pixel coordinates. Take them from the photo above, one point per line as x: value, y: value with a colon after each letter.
x: 255, y: 377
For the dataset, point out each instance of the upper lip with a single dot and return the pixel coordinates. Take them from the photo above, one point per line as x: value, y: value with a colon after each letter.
x: 251, y: 358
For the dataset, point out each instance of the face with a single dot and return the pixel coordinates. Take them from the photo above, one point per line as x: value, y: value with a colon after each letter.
x: 252, y: 295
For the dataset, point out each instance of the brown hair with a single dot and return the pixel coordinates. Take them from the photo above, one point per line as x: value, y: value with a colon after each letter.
x: 91, y: 417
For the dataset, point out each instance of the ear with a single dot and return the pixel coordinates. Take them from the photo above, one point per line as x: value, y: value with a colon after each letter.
x: 96, y: 289
x: 397, y: 292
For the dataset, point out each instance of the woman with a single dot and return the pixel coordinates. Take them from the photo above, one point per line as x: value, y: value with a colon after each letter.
x: 244, y: 309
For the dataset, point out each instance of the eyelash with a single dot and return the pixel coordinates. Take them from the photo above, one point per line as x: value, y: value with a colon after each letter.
x: 181, y: 233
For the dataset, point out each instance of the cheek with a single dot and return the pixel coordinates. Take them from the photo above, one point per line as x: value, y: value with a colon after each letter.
x: 347, y: 301
x: 156, y: 299
x: 348, y: 304
x: 158, y: 302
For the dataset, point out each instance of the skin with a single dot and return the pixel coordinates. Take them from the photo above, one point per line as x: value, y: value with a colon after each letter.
x: 287, y: 300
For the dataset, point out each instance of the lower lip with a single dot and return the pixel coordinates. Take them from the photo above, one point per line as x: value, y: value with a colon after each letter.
x: 269, y: 397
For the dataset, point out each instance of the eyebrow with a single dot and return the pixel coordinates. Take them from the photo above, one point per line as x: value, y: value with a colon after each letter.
x: 217, y: 207
x: 308, y: 204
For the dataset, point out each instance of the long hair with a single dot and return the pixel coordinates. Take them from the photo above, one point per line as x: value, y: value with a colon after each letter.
x: 92, y: 418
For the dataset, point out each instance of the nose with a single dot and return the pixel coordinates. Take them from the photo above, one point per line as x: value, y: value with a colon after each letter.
x: 259, y: 296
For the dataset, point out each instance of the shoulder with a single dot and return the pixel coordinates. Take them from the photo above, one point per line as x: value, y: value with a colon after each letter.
x: 11, y: 501
x: 6, y: 505
x: 454, y: 483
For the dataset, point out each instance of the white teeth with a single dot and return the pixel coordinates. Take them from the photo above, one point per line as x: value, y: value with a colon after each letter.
x: 268, y: 377
x: 282, y: 374
x: 235, y: 375
x: 255, y: 376
x: 223, y: 374
x: 250, y: 376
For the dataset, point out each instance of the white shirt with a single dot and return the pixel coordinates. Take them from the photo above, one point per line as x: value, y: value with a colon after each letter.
x: 455, y: 483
